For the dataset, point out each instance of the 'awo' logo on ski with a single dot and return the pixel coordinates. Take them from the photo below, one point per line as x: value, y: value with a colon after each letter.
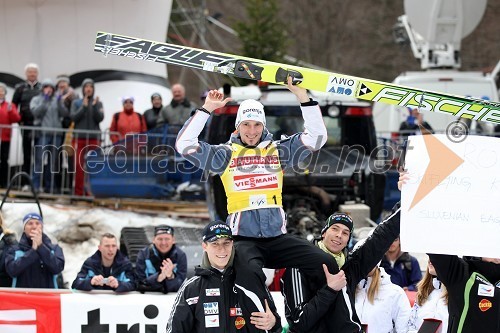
x: 341, y: 85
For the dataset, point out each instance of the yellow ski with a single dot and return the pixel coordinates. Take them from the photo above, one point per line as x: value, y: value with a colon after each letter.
x: 273, y: 72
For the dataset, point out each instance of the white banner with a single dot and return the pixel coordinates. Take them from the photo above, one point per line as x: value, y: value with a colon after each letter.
x: 115, y: 313
x: 451, y: 204
x: 89, y: 313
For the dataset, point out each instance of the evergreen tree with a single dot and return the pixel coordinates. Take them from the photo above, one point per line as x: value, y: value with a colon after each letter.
x: 263, y: 36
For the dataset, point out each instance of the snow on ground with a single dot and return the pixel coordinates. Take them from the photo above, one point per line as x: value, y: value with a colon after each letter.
x: 60, y: 223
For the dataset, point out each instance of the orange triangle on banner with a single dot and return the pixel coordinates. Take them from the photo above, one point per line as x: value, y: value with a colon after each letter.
x: 442, y: 162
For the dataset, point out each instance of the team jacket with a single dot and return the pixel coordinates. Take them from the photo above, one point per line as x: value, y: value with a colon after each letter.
x: 31, y: 268
x: 209, y: 302
x: 473, y: 293
x: 327, y: 310
x: 148, y: 266
x: 390, y: 310
x: 434, y: 307
x: 121, y: 269
x: 216, y: 158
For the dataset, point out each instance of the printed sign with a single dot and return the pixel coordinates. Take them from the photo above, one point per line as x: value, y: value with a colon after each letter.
x: 255, y: 182
x: 453, y: 190
x: 61, y: 311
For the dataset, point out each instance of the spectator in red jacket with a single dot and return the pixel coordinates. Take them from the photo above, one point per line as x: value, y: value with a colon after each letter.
x: 8, y: 116
x: 127, y: 121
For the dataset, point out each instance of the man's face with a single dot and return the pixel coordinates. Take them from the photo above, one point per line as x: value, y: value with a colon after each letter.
x: 178, y: 93
x: 164, y: 242
x: 156, y: 102
x: 31, y: 226
x: 108, y: 248
x: 336, y: 237
x: 250, y: 132
x: 2, y: 93
x: 218, y: 252
x: 32, y: 74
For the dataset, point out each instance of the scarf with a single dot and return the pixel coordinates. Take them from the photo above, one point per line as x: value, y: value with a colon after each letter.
x: 339, y: 257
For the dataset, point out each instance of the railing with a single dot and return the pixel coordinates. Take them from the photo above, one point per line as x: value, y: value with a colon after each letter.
x: 54, y: 157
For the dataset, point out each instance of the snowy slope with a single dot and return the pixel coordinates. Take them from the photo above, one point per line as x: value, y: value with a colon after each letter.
x: 60, y: 224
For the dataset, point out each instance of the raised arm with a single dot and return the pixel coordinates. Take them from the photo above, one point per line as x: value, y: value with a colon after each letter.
x: 314, y: 135
x: 199, y: 153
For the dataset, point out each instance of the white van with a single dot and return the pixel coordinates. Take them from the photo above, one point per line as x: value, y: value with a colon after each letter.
x: 388, y: 118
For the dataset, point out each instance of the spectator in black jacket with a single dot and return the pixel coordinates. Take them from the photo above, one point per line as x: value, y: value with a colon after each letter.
x: 7, y: 239
x: 106, y: 269
x: 161, y: 266
x: 210, y: 301
x: 23, y: 94
x: 35, y: 262
x: 330, y: 309
x: 87, y: 113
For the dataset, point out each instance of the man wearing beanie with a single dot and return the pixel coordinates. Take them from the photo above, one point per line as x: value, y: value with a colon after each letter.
x: 161, y: 266
x: 211, y: 300
x: 251, y: 168
x: 35, y: 262
x: 318, y: 308
x: 86, y: 113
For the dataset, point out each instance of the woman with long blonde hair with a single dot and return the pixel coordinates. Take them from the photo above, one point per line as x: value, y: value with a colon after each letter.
x: 380, y: 304
x: 7, y: 239
x: 431, y: 301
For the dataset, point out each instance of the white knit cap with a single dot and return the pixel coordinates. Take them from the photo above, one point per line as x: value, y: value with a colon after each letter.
x: 250, y: 109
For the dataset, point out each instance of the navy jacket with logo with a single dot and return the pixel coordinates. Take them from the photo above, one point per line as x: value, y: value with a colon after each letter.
x: 121, y: 269
x: 147, y: 268
x: 31, y: 268
x: 209, y: 302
